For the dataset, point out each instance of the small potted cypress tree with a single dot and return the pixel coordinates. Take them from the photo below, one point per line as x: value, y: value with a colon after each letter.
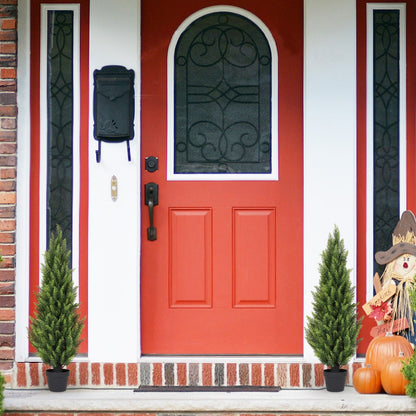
x: 56, y: 326
x: 333, y: 328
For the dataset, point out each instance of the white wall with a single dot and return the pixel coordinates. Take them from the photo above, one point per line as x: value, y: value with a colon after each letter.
x: 330, y: 133
x: 114, y: 226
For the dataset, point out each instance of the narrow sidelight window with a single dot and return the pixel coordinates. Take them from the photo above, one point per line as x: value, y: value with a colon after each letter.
x: 60, y: 87
x: 386, y: 126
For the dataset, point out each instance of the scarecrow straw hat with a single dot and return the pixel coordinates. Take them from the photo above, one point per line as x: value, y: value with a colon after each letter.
x: 404, y: 240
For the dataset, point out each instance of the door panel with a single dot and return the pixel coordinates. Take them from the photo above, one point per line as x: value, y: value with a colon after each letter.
x: 190, y: 263
x: 225, y: 273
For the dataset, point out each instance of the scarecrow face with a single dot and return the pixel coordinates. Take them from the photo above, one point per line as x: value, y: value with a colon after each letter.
x: 405, y: 265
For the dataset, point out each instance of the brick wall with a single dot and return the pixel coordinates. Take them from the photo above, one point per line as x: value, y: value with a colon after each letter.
x: 8, y: 113
x: 130, y: 375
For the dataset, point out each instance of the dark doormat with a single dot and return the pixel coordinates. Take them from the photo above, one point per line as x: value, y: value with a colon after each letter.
x: 189, y: 389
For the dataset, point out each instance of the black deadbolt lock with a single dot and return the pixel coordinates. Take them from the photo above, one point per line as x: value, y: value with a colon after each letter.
x: 151, y: 164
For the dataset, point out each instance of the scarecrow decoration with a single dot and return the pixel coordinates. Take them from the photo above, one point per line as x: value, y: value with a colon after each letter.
x: 390, y: 307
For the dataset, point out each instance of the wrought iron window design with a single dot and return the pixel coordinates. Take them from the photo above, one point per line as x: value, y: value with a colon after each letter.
x: 386, y: 126
x: 222, y: 97
x: 60, y: 122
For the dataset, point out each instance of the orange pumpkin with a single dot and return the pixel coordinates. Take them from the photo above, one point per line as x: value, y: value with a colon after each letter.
x: 367, y: 380
x: 384, y: 347
x: 392, y: 379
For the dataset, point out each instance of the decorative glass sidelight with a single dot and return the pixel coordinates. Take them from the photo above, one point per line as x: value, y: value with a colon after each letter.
x: 60, y: 122
x: 386, y: 94
x: 222, y: 97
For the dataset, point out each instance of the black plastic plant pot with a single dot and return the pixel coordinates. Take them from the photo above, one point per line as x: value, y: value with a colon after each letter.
x: 57, y: 380
x: 335, y: 380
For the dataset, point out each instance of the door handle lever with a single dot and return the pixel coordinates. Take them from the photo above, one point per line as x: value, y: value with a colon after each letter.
x: 151, y: 199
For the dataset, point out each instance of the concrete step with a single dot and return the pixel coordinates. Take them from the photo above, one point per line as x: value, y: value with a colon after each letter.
x: 304, y: 401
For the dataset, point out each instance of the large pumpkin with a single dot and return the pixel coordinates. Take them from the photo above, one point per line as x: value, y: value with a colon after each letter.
x: 384, y: 347
x: 366, y: 380
x: 392, y: 379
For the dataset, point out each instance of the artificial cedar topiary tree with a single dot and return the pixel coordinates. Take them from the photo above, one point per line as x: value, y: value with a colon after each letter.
x: 56, y: 327
x: 333, y: 328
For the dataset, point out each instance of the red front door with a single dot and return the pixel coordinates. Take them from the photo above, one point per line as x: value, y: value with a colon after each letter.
x: 225, y: 274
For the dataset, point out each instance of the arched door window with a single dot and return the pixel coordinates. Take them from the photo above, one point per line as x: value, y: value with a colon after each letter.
x: 223, y: 67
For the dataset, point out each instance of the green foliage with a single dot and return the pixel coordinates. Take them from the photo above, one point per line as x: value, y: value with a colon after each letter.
x: 2, y: 383
x: 56, y: 327
x: 409, y: 368
x: 333, y: 328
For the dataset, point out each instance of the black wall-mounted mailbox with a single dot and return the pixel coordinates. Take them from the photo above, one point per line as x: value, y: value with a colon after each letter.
x: 113, y: 106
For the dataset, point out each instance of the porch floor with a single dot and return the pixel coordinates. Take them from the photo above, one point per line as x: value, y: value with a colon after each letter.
x: 286, y: 401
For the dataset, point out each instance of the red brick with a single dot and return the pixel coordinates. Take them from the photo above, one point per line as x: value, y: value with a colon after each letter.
x: 132, y: 374
x: 8, y: 263
x: 231, y: 374
x: 7, y: 98
x: 7, y: 85
x: 319, y: 375
x: 294, y: 375
x: 8, y: 48
x: 7, y: 301
x: 269, y: 374
x: 21, y: 375
x: 181, y: 373
x: 356, y: 366
x: 243, y: 374
x: 7, y: 225
x: 8, y: 73
x: 72, y: 379
x: 94, y: 414
x: 7, y: 315
x: 8, y: 24
x: 7, y: 341
x: 8, y: 110
x: 7, y: 198
x: 8, y: 124
x: 34, y: 374
x: 207, y: 374
x: 7, y: 186
x: 7, y: 275
x: 307, y: 375
x: 157, y: 374
x: 6, y: 354
x: 8, y: 136
x: 8, y: 173
x: 7, y: 237
x: 121, y: 374
x: 7, y: 249
x: 95, y: 374
x: 43, y: 380
x: 6, y: 288
x: 6, y: 365
x: 7, y: 148
x: 7, y: 35
x: 6, y: 328
x: 282, y: 375
x: 83, y: 374
x: 108, y: 374
x: 256, y: 374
